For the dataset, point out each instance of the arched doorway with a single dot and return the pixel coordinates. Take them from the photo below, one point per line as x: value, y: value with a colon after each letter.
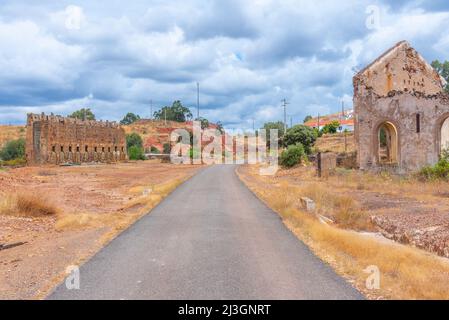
x: 387, y: 136
x: 444, y: 141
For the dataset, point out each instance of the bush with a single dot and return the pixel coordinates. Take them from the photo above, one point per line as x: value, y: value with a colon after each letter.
x: 301, y: 134
x: 292, y: 156
x: 167, y: 148
x: 14, y: 149
x: 439, y: 170
x: 136, y: 153
x: 331, y: 128
x: 134, y: 139
x: 154, y: 150
x: 27, y: 205
x: 193, y: 153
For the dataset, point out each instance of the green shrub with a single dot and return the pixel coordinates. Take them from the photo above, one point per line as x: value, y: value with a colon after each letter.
x: 439, y: 170
x: 134, y: 139
x: 14, y: 149
x: 167, y: 148
x: 154, y: 150
x: 193, y: 153
x: 301, y: 134
x: 136, y: 153
x: 331, y: 128
x: 292, y: 156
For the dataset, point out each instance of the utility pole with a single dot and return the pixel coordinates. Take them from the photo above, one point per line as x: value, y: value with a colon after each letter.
x: 165, y: 116
x: 285, y: 103
x: 318, y: 122
x: 151, y: 109
x: 198, y: 100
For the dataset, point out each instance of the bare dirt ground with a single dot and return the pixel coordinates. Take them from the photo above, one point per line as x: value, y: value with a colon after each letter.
x: 94, y: 203
x: 357, y: 206
x: 403, y: 209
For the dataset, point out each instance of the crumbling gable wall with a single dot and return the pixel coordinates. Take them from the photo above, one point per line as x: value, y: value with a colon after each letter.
x: 55, y: 140
x: 399, y: 109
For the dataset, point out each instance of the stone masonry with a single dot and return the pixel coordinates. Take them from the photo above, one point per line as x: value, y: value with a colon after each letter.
x: 400, y: 112
x: 56, y: 140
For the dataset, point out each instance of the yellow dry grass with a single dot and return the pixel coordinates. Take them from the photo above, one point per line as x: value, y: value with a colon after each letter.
x: 406, y: 272
x: 336, y: 143
x: 118, y: 221
x: 26, y: 205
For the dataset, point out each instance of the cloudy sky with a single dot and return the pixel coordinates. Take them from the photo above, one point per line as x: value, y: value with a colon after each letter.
x: 115, y: 56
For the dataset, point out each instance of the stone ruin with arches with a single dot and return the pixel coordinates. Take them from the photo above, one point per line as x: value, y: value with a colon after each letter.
x: 58, y: 140
x: 401, y: 112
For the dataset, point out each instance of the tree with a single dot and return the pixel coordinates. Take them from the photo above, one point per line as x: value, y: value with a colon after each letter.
x: 167, y: 148
x: 83, y: 114
x: 443, y: 70
x: 129, y: 118
x: 14, y: 149
x: 177, y: 112
x: 279, y: 125
x: 220, y: 127
x: 204, y: 122
x: 307, y: 118
x: 331, y: 127
x: 134, y: 139
x: 301, y: 134
x: 134, y: 144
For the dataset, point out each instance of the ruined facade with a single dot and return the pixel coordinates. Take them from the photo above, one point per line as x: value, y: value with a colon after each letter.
x: 400, y: 112
x: 56, y: 140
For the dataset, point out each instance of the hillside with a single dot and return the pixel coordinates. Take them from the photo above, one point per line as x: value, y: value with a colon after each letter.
x: 8, y: 133
x: 336, y: 142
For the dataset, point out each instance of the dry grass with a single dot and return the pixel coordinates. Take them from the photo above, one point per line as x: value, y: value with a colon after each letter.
x: 406, y: 272
x: 26, y: 205
x: 119, y: 221
x: 344, y: 210
x: 336, y: 143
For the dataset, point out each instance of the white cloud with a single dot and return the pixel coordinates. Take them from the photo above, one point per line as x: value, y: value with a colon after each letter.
x: 247, y: 55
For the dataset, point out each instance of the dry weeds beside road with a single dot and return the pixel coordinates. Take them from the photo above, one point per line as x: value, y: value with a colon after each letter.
x: 349, y: 200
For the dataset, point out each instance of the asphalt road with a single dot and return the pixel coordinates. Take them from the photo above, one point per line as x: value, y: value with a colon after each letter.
x: 210, y: 239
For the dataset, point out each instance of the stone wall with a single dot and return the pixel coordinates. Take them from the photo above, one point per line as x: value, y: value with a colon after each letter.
x: 56, y: 140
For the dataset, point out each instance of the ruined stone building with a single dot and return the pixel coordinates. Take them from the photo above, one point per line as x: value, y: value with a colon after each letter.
x: 55, y: 140
x: 401, y: 112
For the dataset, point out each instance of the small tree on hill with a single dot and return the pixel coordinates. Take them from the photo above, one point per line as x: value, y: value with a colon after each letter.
x: 83, y: 114
x: 279, y: 125
x: 301, y: 134
x: 331, y: 127
x: 177, y: 112
x: 129, y: 118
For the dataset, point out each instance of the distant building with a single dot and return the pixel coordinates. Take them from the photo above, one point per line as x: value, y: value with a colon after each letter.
x: 55, y: 140
x: 346, y: 120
